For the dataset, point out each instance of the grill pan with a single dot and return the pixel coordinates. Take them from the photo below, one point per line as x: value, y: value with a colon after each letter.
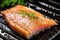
x: 49, y: 9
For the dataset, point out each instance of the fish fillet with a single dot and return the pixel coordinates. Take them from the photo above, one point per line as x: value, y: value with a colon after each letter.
x: 26, y: 21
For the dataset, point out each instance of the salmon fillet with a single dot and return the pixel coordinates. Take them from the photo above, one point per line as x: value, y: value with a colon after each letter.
x: 26, y: 21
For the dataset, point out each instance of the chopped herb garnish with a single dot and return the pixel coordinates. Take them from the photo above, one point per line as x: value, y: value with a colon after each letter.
x: 31, y: 15
x: 22, y: 12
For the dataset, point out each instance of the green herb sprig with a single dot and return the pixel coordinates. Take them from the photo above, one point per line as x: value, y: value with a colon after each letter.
x: 30, y: 14
x: 12, y: 3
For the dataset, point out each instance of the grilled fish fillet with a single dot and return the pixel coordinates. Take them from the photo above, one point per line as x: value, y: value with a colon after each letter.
x: 26, y: 21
